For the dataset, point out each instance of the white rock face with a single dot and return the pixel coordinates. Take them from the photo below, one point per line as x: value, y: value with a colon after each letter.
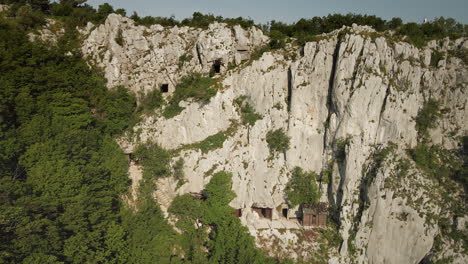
x: 346, y: 86
x: 143, y: 58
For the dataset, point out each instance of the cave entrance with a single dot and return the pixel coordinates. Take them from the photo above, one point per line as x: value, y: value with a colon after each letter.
x: 285, y: 212
x: 237, y: 212
x: 217, y: 66
x: 264, y: 212
x: 164, y: 88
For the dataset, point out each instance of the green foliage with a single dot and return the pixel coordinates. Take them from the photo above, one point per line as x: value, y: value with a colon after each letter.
x: 62, y: 175
x: 119, y: 38
x: 302, y: 188
x: 155, y: 161
x: 149, y: 237
x: 436, y: 56
x: 461, y: 53
x: 436, y: 162
x: 150, y: 101
x: 117, y: 110
x: 198, y: 20
x: 277, y: 141
x: 304, y: 30
x: 179, y: 169
x: 211, y: 142
x: 29, y: 18
x: 228, y: 240
x: 183, y: 59
x: 339, y: 147
x: 248, y: 114
x: 196, y: 86
x: 427, y: 118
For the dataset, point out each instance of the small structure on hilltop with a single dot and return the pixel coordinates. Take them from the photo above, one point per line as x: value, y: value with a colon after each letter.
x: 315, y: 214
x: 264, y: 212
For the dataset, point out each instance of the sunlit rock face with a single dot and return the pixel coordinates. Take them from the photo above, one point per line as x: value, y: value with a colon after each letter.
x: 353, y: 85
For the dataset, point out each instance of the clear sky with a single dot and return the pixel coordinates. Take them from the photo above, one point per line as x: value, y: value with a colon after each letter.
x: 292, y: 10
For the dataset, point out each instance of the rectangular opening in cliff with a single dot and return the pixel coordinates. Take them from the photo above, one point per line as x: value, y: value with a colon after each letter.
x: 237, y: 212
x: 164, y: 88
x: 315, y: 214
x: 263, y: 211
x: 285, y: 212
x: 217, y: 66
x: 243, y: 52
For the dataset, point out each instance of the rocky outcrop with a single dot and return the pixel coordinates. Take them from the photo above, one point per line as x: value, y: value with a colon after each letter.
x: 352, y: 91
x: 142, y: 58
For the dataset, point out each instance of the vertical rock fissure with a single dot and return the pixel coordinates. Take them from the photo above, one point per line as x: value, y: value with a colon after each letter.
x: 330, y: 107
x: 289, y: 96
x: 289, y: 89
x: 384, y: 104
x: 355, y: 72
x: 199, y: 55
x: 331, y: 84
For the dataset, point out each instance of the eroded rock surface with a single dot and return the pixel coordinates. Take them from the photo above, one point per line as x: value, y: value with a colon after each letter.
x: 354, y: 85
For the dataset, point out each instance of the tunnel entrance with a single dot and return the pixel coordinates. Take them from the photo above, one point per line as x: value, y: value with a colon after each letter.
x: 217, y: 66
x: 164, y: 88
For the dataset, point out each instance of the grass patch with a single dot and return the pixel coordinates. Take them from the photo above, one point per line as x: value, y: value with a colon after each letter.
x: 212, y: 142
x: 197, y: 86
x: 247, y: 112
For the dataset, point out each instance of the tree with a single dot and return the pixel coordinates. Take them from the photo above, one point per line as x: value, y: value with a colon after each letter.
x: 302, y: 188
x: 277, y: 141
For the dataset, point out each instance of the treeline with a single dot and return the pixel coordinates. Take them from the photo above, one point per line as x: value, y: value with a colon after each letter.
x: 305, y: 30
x: 77, y: 12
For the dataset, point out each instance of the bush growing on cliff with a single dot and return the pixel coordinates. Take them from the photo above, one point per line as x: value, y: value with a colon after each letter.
x: 277, y: 141
x: 248, y: 114
x: 302, y: 188
x: 427, y: 118
x: 150, y: 101
x: 155, y: 160
x: 196, y: 86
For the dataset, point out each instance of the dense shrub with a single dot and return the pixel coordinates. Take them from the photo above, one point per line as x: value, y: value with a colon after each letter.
x: 196, y: 86
x: 228, y: 241
x: 302, y: 188
x: 155, y: 160
x: 427, y: 118
x: 150, y: 101
x: 436, y: 56
x: 277, y: 141
x: 61, y: 173
x: 248, y: 114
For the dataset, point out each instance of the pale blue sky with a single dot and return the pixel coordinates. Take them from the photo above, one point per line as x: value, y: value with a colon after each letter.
x: 292, y: 10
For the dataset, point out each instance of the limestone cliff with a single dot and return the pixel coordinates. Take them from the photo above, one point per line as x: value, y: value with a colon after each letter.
x: 340, y: 99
